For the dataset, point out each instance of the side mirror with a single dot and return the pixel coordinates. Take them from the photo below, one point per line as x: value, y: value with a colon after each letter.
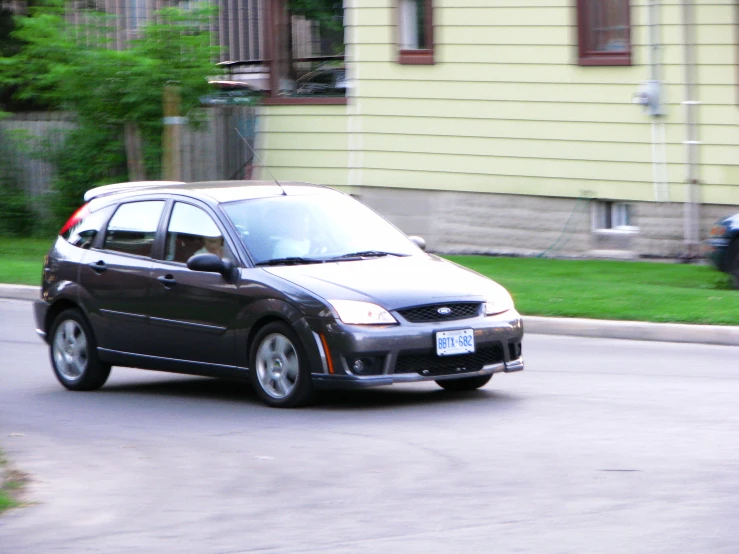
x: 210, y: 263
x: 418, y: 241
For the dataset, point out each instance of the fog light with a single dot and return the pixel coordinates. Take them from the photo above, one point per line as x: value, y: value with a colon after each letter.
x: 367, y: 365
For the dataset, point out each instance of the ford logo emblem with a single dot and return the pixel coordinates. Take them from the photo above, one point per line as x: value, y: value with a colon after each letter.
x: 444, y: 311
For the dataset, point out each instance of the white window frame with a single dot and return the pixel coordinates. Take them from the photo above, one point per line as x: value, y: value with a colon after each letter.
x: 608, y: 215
x: 408, y: 29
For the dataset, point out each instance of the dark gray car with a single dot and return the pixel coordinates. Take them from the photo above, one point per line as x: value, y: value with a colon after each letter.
x: 293, y: 286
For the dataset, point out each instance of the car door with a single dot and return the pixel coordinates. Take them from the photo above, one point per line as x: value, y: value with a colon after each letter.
x: 116, y: 279
x: 193, y: 312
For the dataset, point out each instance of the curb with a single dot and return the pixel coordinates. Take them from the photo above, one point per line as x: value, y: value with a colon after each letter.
x: 633, y: 330
x: 20, y: 292
x: 594, y: 328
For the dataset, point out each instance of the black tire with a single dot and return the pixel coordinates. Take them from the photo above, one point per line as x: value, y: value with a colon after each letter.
x: 73, y: 352
x: 279, y: 367
x: 732, y: 263
x: 464, y: 384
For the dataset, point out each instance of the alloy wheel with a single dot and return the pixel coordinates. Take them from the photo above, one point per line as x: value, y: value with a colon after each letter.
x: 70, y: 350
x: 277, y: 365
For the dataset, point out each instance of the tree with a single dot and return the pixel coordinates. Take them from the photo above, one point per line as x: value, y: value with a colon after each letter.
x: 71, y: 66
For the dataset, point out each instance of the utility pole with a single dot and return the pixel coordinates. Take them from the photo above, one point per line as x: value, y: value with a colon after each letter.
x: 171, y: 158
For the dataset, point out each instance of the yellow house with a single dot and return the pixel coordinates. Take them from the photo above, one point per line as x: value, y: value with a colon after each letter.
x: 524, y: 125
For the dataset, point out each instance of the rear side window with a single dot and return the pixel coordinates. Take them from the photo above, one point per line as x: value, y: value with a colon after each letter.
x: 133, y: 228
x: 82, y: 231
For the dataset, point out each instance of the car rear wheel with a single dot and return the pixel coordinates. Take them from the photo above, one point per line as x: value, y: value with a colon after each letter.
x: 279, y: 367
x: 464, y: 384
x: 74, y: 353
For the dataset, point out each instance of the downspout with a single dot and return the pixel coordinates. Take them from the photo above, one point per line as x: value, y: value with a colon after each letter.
x: 353, y: 111
x: 691, y: 226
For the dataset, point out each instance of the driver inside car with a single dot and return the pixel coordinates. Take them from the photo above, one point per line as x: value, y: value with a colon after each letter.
x: 292, y: 227
x: 212, y: 245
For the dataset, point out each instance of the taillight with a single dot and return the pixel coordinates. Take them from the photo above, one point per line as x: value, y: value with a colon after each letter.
x: 77, y: 216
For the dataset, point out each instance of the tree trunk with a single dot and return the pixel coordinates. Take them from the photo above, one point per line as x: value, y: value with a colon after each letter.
x: 134, y: 152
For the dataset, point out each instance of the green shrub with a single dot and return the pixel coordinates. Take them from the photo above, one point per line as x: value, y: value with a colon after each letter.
x: 87, y: 156
x: 16, y: 216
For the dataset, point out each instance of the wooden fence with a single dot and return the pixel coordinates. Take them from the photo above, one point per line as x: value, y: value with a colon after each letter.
x: 217, y: 152
x: 22, y: 139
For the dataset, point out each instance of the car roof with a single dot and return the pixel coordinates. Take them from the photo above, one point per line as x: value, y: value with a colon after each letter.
x: 218, y: 191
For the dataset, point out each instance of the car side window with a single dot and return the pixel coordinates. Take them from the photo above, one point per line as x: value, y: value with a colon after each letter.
x: 133, y: 227
x: 192, y: 231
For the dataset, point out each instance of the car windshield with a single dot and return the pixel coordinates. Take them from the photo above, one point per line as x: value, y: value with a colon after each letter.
x: 311, y: 228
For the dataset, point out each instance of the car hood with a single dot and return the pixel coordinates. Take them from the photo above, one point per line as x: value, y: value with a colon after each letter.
x: 391, y: 282
x: 731, y: 221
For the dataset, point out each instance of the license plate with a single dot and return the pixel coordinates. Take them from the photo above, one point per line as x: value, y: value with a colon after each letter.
x: 460, y: 341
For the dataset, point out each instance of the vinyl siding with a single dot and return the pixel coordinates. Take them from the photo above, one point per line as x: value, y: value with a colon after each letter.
x: 506, y: 109
x: 305, y: 143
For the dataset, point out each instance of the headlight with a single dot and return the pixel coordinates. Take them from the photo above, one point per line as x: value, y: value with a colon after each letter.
x: 498, y: 302
x: 718, y: 230
x: 362, y: 313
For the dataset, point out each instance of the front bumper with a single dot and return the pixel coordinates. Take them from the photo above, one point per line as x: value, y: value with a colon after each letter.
x: 326, y: 381
x: 40, y: 308
x: 393, y: 346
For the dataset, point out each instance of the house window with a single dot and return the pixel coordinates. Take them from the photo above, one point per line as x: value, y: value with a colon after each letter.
x: 604, y: 33
x: 415, y: 32
x: 612, y: 215
x: 306, y: 52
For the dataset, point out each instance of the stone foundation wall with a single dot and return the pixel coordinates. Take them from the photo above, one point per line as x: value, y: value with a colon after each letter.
x: 465, y: 222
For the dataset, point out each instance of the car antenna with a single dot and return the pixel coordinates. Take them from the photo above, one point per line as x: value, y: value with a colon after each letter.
x: 260, y: 160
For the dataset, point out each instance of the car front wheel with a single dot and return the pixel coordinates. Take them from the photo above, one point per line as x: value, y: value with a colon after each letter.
x: 279, y: 367
x: 464, y: 384
x: 74, y: 353
x: 732, y: 263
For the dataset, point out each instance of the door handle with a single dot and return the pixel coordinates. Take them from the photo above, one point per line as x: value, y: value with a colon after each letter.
x: 168, y: 281
x: 98, y: 267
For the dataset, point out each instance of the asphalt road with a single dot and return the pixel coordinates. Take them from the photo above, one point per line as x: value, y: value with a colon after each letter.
x: 599, y: 446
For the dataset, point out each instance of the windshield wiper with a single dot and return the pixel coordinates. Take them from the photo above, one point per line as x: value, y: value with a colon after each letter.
x: 292, y: 260
x: 367, y: 254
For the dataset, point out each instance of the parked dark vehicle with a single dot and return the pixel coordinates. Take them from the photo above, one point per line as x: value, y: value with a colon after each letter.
x: 294, y: 287
x: 722, y: 247
x: 230, y: 93
x: 327, y: 81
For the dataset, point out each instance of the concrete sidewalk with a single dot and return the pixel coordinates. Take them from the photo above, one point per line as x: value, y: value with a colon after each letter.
x: 597, y: 328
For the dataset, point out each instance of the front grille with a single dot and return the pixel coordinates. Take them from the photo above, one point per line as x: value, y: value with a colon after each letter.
x: 431, y: 364
x: 457, y: 310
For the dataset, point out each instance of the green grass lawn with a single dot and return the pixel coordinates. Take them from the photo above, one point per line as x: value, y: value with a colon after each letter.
x: 22, y: 260
x: 642, y: 291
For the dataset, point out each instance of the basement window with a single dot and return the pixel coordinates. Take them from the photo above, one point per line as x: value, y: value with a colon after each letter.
x: 613, y: 215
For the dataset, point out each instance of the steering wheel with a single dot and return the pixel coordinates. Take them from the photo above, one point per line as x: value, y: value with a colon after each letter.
x: 316, y: 248
x: 243, y: 231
